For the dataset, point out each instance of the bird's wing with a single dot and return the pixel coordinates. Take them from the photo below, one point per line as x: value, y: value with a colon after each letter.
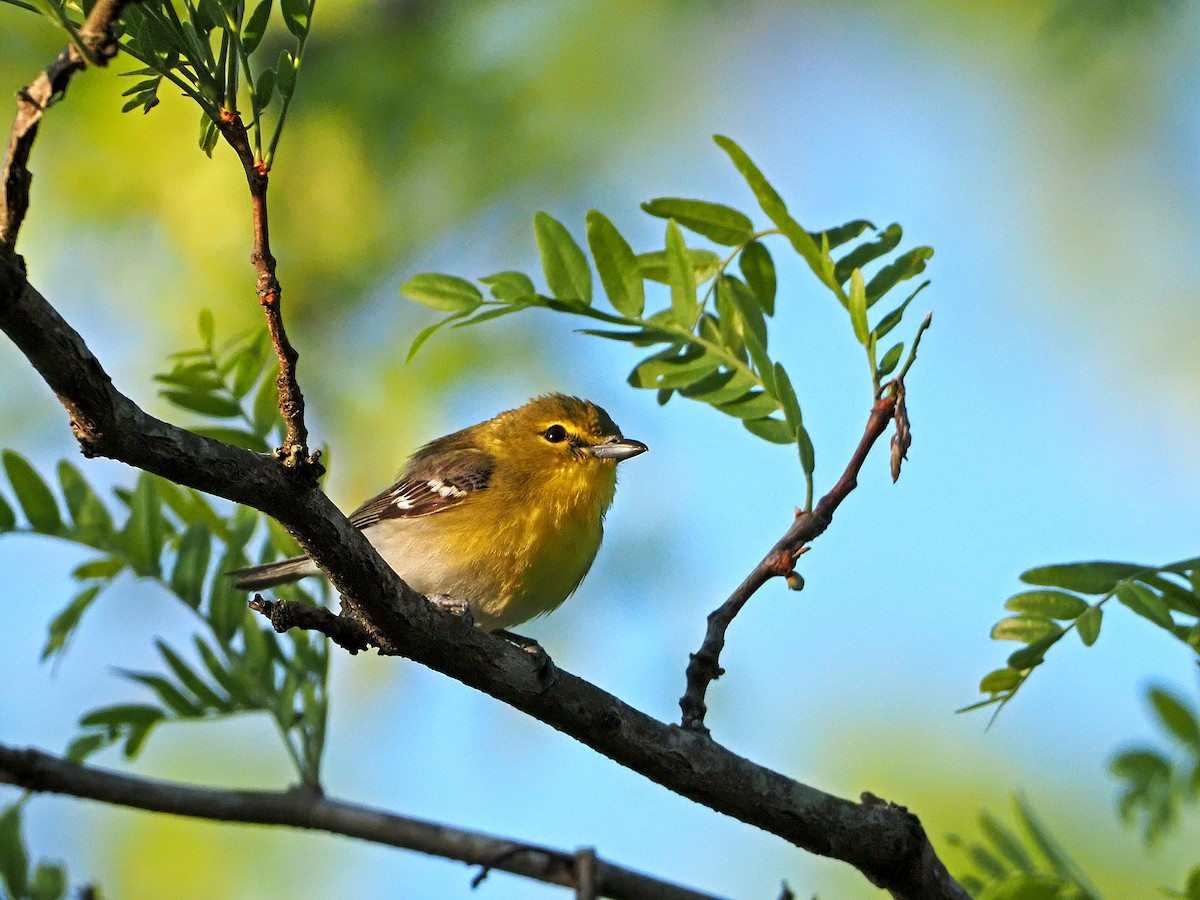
x: 432, y: 483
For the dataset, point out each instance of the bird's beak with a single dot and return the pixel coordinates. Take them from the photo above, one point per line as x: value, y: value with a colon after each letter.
x: 618, y: 449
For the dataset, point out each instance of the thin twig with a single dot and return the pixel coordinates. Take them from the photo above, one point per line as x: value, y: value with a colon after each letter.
x: 36, y: 771
x: 32, y: 102
x: 294, y: 452
x: 704, y: 665
x: 347, y: 633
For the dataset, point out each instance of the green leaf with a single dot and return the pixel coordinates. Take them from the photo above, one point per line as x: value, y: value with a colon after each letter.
x: 285, y: 74
x: 750, y: 315
x: 774, y: 430
x: 265, y: 411
x: 720, y: 224
x: 808, y: 456
x: 207, y: 697
x: 858, y: 307
x: 209, y: 136
x: 226, y: 607
x: 759, y: 271
x: 906, y: 266
x: 863, y: 254
x: 264, y: 90
x: 642, y: 337
x: 121, y: 714
x: 295, y: 16
x: 170, y: 695
x: 1088, y: 625
x: 49, y: 882
x: 787, y: 396
x: 1025, y: 629
x: 835, y: 237
x: 510, y: 286
x: 93, y: 523
x: 1029, y: 656
x: 14, y: 862
x: 191, y: 564
x: 772, y: 204
x: 682, y: 280
x: 1047, y: 604
x: 756, y: 405
x: 8, y: 519
x: 1176, y: 716
x: 1007, y: 843
x: 85, y: 745
x: 653, y: 266
x: 999, y: 681
x: 671, y: 369
x: 448, y: 293
x: 256, y: 26
x: 563, y: 262
x: 38, y: 504
x: 145, y: 531
x: 228, y: 680
x: 1063, y: 866
x: 890, y: 360
x: 617, y: 265
x: 892, y: 319
x: 720, y: 387
x: 1146, y: 604
x: 212, y: 405
x: 64, y: 624
x: 1026, y: 886
x: 1082, y: 577
x: 105, y: 568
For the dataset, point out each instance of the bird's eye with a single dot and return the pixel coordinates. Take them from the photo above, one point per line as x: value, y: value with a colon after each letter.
x: 555, y: 434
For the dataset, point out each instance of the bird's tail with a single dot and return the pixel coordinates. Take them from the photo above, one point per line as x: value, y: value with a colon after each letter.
x: 256, y: 578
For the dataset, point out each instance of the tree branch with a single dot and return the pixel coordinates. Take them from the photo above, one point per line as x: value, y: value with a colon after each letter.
x: 704, y: 665
x: 884, y: 841
x: 294, y: 452
x: 36, y: 771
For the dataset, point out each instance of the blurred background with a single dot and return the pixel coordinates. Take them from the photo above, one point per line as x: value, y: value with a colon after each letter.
x: 1050, y: 152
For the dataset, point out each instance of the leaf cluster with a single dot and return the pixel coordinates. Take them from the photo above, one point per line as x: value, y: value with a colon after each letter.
x: 178, y: 539
x: 1167, y: 596
x: 211, y: 50
x: 1026, y: 863
x: 710, y: 337
x: 47, y: 880
x: 1158, y: 782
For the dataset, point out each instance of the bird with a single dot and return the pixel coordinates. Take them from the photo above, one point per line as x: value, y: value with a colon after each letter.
x: 502, y: 519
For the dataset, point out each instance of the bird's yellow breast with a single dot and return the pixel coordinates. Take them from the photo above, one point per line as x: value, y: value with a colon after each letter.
x: 543, y: 535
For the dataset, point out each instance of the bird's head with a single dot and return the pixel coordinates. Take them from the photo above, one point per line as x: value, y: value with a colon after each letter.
x: 558, y: 430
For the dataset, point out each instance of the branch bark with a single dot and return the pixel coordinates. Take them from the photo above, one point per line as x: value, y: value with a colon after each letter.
x: 704, y: 665
x: 884, y: 841
x: 36, y: 771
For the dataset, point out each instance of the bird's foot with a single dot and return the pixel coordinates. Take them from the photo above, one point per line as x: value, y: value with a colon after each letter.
x: 454, y: 606
x: 547, y: 671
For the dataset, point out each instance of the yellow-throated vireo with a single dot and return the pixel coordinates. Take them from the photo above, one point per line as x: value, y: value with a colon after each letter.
x: 505, y: 516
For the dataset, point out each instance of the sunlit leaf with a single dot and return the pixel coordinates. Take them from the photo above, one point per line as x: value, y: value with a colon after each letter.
x: 756, y: 405
x: 255, y: 26
x: 617, y: 265
x: 1082, y: 577
x: 295, y: 16
x: 1088, y: 625
x: 720, y: 224
x: 681, y: 278
x: 653, y: 266
x: 671, y: 369
x: 858, y: 307
x: 510, y: 286
x: 1025, y: 629
x: 720, y: 387
x: 1047, y: 604
x: 759, y: 271
x: 448, y: 293
x: 999, y: 681
x: 563, y: 262
x: 835, y: 237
